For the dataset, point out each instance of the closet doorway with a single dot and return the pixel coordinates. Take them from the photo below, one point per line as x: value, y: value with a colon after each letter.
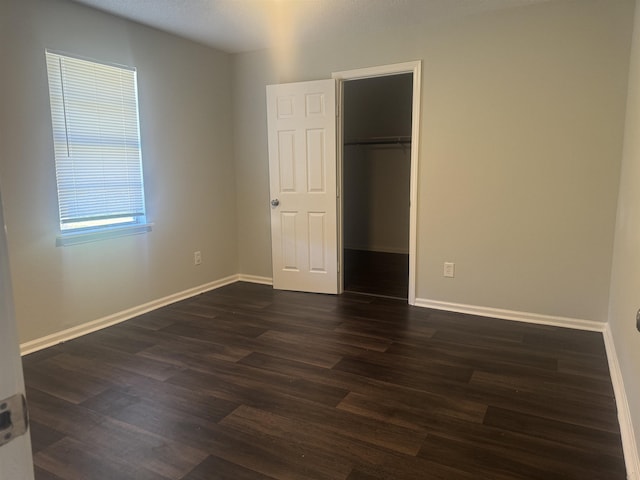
x: 376, y: 184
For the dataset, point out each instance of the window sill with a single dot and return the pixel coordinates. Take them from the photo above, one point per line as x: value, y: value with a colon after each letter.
x: 75, y: 238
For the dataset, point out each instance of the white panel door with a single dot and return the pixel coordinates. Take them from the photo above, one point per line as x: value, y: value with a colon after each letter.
x: 302, y: 169
x: 15, y: 456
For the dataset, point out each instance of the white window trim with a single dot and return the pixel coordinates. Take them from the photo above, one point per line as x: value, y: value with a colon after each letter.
x: 77, y: 237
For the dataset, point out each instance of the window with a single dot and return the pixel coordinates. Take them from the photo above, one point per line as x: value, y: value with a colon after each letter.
x: 94, y: 111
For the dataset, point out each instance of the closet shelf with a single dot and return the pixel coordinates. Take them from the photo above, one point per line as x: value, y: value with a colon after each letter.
x: 380, y: 141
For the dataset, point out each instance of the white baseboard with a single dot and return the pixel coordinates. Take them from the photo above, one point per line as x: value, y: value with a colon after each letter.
x: 527, y: 317
x: 255, y: 279
x: 85, y: 328
x: 629, y: 444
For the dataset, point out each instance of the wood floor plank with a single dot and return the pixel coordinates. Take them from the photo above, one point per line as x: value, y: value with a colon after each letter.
x: 563, y: 339
x: 161, y: 395
x: 324, y: 343
x: 43, y: 436
x: 77, y: 363
x: 562, y: 432
x: 400, y: 412
x: 244, y: 379
x: 312, y: 407
x: 373, y: 398
x: 112, y: 400
x: 586, y: 408
x: 89, y: 348
x: 156, y: 319
x: 345, y: 449
x: 484, y: 461
x: 74, y: 460
x: 531, y: 454
x: 248, y: 382
x: 488, y: 358
x: 281, y: 460
x: 320, y: 437
x: 42, y: 474
x: 414, y: 378
x: 214, y: 467
x: 69, y: 419
x: 167, y: 342
x: 136, y: 448
x: 128, y: 344
x: 56, y: 381
x: 374, y: 431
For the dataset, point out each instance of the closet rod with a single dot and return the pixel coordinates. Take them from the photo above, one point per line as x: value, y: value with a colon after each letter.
x: 381, y: 141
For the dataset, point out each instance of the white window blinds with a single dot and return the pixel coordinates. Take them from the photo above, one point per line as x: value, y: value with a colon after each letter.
x: 94, y: 111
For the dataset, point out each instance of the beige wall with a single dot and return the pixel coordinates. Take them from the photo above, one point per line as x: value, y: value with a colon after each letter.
x: 625, y: 279
x: 521, y: 131
x: 185, y: 115
x: 251, y: 73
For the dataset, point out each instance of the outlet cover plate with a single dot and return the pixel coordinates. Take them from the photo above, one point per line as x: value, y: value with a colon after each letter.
x: 449, y: 269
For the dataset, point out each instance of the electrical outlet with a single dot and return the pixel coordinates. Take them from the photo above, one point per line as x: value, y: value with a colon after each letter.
x: 197, y: 258
x: 449, y: 270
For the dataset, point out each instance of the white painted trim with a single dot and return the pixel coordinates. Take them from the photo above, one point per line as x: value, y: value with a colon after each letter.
x: 340, y: 178
x: 377, y: 71
x: 629, y: 445
x: 415, y: 68
x: 517, y: 316
x: 255, y: 279
x: 85, y: 328
x: 413, y: 188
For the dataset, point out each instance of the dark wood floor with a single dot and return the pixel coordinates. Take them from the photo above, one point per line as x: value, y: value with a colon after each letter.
x: 250, y: 383
x: 376, y: 273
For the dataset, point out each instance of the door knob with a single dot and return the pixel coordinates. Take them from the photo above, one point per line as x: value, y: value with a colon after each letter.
x: 275, y: 202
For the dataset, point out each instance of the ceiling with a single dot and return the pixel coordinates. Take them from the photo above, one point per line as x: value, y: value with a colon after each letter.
x: 243, y: 25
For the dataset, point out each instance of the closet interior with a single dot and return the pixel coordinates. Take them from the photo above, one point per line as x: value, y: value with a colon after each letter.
x: 376, y: 174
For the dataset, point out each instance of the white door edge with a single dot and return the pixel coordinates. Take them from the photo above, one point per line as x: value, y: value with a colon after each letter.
x: 414, y: 67
x: 16, y: 462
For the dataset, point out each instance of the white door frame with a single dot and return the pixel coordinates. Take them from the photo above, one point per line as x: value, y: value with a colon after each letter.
x: 407, y: 67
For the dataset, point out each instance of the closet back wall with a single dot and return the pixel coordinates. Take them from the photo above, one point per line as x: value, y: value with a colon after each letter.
x: 376, y: 177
